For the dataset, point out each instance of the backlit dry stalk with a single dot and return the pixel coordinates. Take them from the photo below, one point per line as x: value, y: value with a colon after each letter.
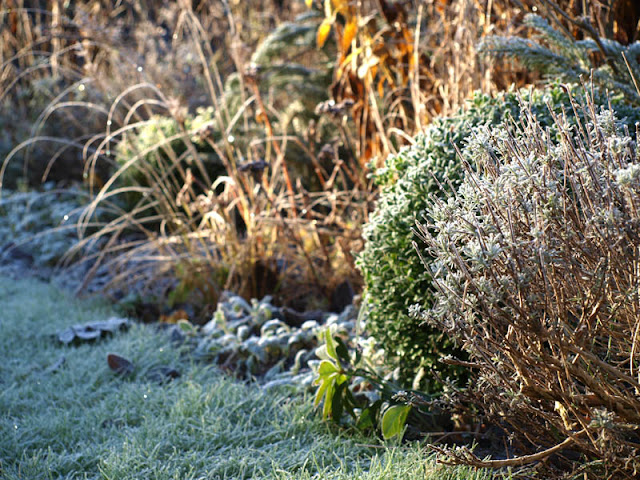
x: 537, y: 266
x: 181, y: 226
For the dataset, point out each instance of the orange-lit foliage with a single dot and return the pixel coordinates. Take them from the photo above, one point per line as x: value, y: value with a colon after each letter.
x: 400, y: 63
x: 375, y: 58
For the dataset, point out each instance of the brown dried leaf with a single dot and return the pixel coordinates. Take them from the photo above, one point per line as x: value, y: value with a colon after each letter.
x: 119, y: 364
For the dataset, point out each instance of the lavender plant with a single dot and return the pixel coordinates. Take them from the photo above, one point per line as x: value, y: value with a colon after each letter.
x: 535, y: 265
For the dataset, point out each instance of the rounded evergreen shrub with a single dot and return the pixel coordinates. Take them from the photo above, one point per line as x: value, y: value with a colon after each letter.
x: 394, y: 276
x: 536, y: 266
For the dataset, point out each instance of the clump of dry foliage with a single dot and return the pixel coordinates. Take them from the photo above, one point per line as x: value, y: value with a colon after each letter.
x: 536, y: 265
x: 276, y: 200
x: 190, y: 223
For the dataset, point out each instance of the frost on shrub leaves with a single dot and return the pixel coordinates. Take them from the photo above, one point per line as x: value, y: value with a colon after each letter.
x: 536, y: 271
x: 394, y: 275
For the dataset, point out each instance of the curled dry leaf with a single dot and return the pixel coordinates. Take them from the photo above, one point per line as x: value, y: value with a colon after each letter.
x: 162, y: 374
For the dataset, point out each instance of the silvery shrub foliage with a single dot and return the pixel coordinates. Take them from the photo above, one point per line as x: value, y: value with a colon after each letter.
x: 534, y: 259
x: 395, y: 278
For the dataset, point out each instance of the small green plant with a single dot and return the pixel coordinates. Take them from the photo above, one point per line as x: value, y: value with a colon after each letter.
x: 350, y: 385
x: 164, y: 148
x: 394, y: 277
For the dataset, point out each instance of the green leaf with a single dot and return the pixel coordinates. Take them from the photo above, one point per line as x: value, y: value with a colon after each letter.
x: 331, y: 348
x: 342, y: 351
x: 337, y: 402
x: 366, y: 419
x: 358, y: 357
x: 321, y: 352
x: 327, y: 368
x: 328, y: 400
x: 393, y: 420
x: 369, y: 415
x: 320, y: 392
x: 185, y: 326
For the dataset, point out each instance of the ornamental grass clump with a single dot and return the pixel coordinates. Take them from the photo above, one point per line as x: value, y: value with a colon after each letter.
x: 537, y: 271
x: 196, y: 203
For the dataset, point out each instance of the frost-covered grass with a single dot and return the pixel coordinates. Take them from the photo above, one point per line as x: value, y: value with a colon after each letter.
x: 83, y: 421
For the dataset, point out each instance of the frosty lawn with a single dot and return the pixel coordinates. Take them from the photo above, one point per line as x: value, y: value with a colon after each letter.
x: 65, y: 414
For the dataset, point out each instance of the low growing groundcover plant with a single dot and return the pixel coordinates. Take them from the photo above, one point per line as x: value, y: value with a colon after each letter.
x: 38, y: 224
x: 65, y: 414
